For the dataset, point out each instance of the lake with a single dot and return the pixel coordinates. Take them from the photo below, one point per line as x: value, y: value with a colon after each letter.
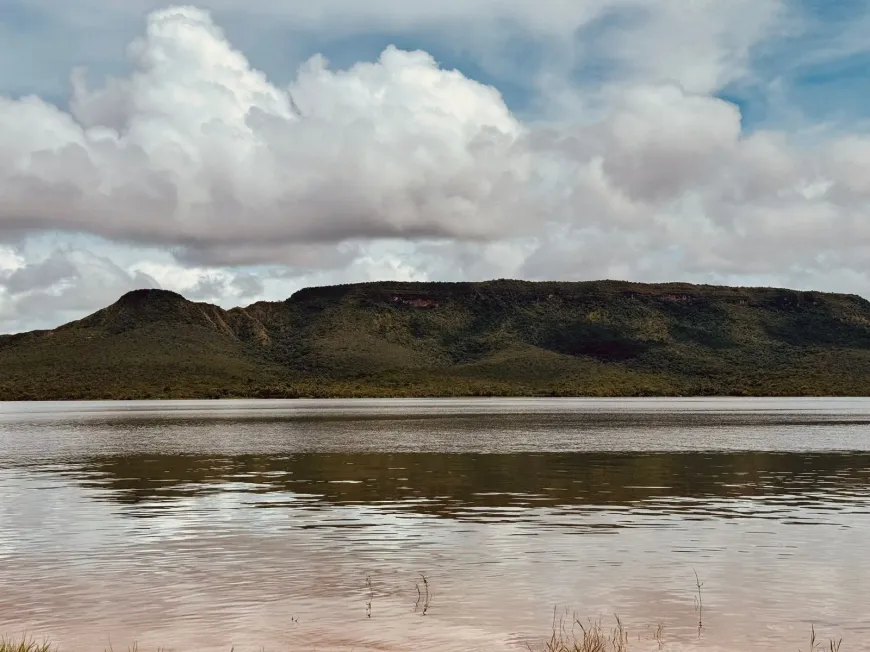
x: 203, y: 525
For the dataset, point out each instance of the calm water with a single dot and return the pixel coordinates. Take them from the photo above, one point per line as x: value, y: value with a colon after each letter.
x: 203, y: 525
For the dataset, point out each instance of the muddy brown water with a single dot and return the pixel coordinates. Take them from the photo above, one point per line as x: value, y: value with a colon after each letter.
x: 260, y: 524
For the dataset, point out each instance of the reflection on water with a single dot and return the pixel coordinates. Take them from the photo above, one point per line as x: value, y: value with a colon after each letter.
x: 203, y: 525
x: 477, y: 487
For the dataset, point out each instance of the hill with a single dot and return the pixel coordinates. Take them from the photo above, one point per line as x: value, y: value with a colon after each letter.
x: 601, y: 338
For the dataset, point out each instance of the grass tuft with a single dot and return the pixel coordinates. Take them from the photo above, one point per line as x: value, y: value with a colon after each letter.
x: 567, y: 636
x: 26, y: 645
x: 588, y: 637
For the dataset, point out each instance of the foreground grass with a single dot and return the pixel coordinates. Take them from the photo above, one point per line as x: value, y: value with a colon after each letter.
x: 24, y: 646
x: 594, y: 637
x: 588, y: 637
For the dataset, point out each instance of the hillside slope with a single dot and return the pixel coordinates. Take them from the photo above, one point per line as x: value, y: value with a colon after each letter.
x: 440, y: 339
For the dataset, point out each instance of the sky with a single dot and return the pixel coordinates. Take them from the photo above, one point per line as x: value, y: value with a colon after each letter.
x: 236, y: 152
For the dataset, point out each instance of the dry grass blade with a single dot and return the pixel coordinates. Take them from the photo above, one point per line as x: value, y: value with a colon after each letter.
x: 699, y: 584
x: 425, y: 595
x: 659, y: 636
x: 591, y: 637
x: 27, y: 645
x: 833, y: 644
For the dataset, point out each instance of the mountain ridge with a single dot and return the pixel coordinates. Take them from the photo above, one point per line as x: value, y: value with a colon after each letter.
x: 502, y: 337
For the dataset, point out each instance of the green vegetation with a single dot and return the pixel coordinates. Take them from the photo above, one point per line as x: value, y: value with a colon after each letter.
x: 500, y: 338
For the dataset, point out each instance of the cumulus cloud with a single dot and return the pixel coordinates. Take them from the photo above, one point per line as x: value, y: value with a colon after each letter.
x: 398, y: 168
x: 63, y: 284
x: 41, y: 290
x: 217, y: 286
x: 196, y: 149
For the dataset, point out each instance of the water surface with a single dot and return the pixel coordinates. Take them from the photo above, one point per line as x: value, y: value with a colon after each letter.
x: 201, y: 525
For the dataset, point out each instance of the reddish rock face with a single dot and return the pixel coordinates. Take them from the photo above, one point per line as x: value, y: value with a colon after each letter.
x: 417, y: 302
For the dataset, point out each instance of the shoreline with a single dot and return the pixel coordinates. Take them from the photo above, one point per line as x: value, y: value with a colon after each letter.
x: 327, y: 396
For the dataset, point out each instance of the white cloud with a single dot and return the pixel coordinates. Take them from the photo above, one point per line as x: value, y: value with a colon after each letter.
x: 202, y: 284
x: 198, y: 150
x: 398, y: 168
x: 63, y: 284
